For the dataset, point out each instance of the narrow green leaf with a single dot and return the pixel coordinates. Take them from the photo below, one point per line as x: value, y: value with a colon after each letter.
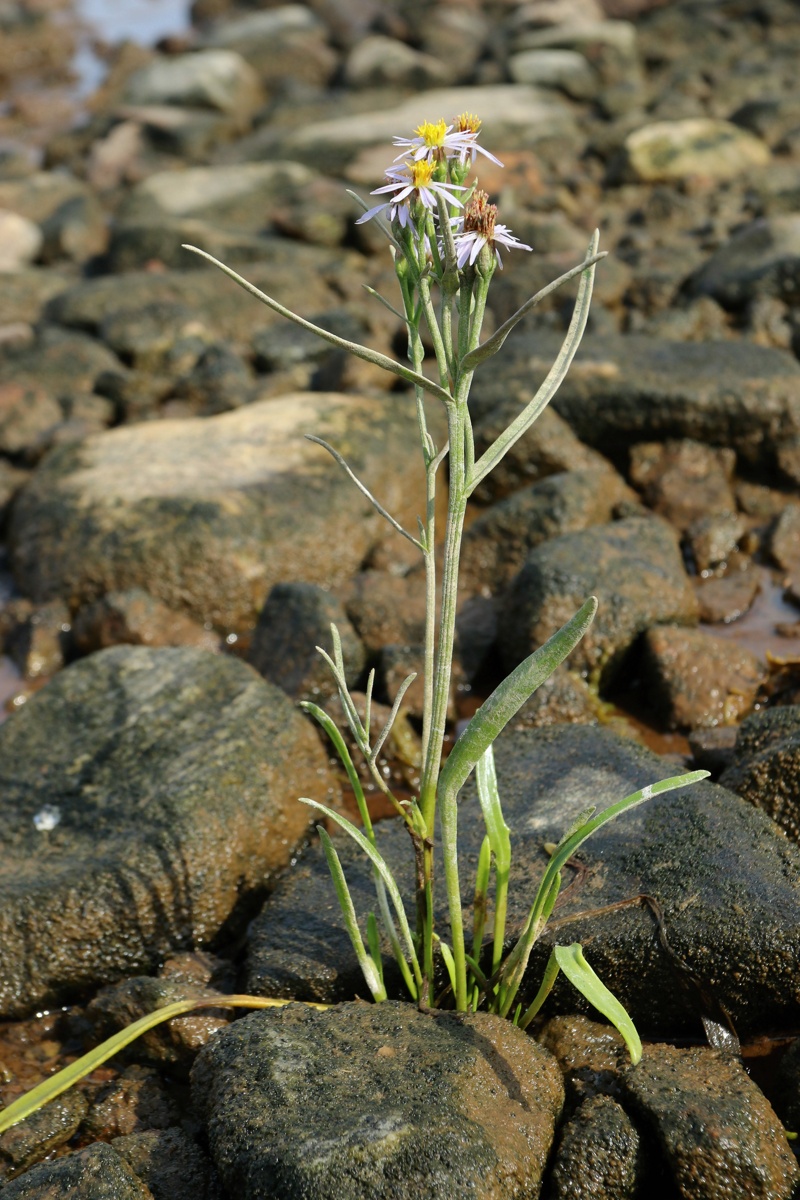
x: 377, y: 859
x: 507, y: 699
x: 368, y: 968
x: 489, y: 796
x: 481, y: 899
x: 64, y: 1079
x: 546, y: 987
x: 577, y: 970
x: 340, y: 746
x: 449, y: 962
x: 354, y: 348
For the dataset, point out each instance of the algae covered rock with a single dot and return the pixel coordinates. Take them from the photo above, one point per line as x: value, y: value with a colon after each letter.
x: 379, y: 1101
x: 147, y: 797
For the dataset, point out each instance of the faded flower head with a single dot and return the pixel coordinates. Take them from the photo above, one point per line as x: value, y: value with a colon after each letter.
x: 478, y: 228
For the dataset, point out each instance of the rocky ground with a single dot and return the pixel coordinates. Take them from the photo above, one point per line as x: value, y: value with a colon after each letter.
x: 176, y: 550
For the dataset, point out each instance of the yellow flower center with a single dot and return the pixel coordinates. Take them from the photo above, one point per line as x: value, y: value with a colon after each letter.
x: 422, y: 173
x: 467, y: 123
x: 432, y: 133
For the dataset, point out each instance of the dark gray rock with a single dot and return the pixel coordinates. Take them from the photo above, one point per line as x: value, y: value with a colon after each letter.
x: 498, y: 542
x: 692, y: 678
x: 712, y: 749
x: 715, y: 1127
x: 623, y: 390
x: 207, y: 514
x: 96, y: 1173
x: 387, y: 609
x: 297, y: 618
x: 148, y: 796
x: 170, y: 1164
x: 599, y: 1156
x: 696, y: 851
x: 134, y: 618
x: 45, y: 1130
x: 377, y: 1100
x: 548, y: 448
x: 684, y: 481
x: 763, y: 258
x: 787, y: 1099
x: 766, y: 766
x: 563, y: 699
x: 633, y: 566
x: 38, y: 643
x: 589, y: 1055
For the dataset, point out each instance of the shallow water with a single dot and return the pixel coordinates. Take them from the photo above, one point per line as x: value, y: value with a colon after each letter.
x: 142, y: 21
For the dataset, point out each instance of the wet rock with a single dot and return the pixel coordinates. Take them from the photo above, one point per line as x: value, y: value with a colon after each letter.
x: 498, y: 542
x: 727, y: 394
x: 284, y: 43
x: 766, y: 766
x: 21, y: 241
x: 173, y: 1045
x: 694, y: 679
x: 170, y: 1164
x: 33, y: 1139
x: 713, y: 539
x: 762, y: 259
x: 787, y: 1100
x: 147, y: 795
x: 379, y: 1126
x: 514, y: 116
x: 696, y: 851
x: 634, y: 566
x: 296, y: 275
x: 712, y: 748
x: 382, y: 62
x: 784, y: 539
x: 136, y: 1101
x: 386, y: 609
x: 96, y: 1173
x: 588, y: 1054
x: 684, y: 481
x: 715, y: 1127
x: 207, y: 514
x: 238, y: 196
x: 28, y: 417
x: 548, y: 448
x: 565, y: 70
x: 215, y: 79
x: 134, y: 618
x: 39, y: 641
x: 599, y: 1156
x: 563, y: 699
x: 726, y: 598
x: 296, y: 618
x: 668, y: 150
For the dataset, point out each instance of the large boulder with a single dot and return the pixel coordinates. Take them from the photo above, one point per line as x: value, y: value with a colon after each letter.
x: 208, y: 514
x: 697, y: 852
x: 148, y: 798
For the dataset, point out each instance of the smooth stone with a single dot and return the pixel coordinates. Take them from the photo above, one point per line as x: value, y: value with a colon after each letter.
x: 498, y: 542
x: 149, y: 796
x: 763, y: 258
x: 715, y: 1127
x: 714, y: 538
x: 239, y: 195
x: 547, y: 448
x: 134, y: 618
x: 295, y: 620
x: 725, y: 599
x: 39, y: 196
x: 207, y: 514
x: 215, y: 79
x: 20, y: 241
x: 514, y: 117
x: 784, y: 539
x: 697, y: 851
x: 674, y: 150
x: 635, y: 569
x: 29, y: 416
x: 379, y: 61
x: 624, y: 390
x: 693, y: 679
x: 26, y: 292
x: 684, y: 481
x: 766, y: 766
x: 411, y: 1104
x: 96, y: 1173
x: 288, y: 42
x: 566, y: 70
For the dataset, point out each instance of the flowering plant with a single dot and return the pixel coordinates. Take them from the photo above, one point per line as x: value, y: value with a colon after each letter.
x: 445, y: 240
